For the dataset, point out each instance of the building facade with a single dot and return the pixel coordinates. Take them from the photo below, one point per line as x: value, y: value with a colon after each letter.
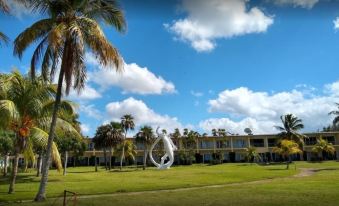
x: 233, y: 148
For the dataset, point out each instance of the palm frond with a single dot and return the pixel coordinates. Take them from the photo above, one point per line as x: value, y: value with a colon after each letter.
x: 8, y: 111
x: 3, y: 38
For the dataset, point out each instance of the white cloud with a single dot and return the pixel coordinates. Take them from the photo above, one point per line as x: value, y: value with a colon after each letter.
x: 85, y: 128
x: 197, y: 94
x: 307, y: 4
x: 88, y: 93
x: 237, y: 127
x: 142, y: 114
x: 263, y: 110
x: 215, y: 19
x: 90, y: 111
x: 336, y: 23
x: 19, y: 10
x: 134, y: 79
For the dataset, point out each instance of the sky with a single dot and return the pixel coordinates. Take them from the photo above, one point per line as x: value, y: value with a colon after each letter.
x: 197, y: 64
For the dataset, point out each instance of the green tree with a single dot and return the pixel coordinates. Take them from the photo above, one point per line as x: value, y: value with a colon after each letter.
x: 4, y: 9
x: 6, y: 148
x: 290, y: 129
x: 146, y: 137
x: 287, y: 148
x: 127, y: 123
x: 336, y: 118
x: 129, y: 151
x: 252, y: 155
x: 69, y: 28
x: 26, y: 108
x: 323, y: 146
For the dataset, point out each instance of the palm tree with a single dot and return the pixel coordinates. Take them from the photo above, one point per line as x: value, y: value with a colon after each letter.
x: 127, y: 123
x: 214, y: 133
x: 252, y: 155
x: 323, y: 146
x: 114, y: 138
x: 6, y: 148
x: 26, y: 108
x: 336, y: 113
x: 129, y: 150
x: 290, y: 128
x: 3, y: 8
x: 287, y: 148
x: 70, y: 27
x: 146, y: 137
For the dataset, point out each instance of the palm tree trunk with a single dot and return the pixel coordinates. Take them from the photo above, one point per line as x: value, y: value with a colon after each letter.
x: 38, y: 168
x: 41, y: 195
x: 65, y: 162
x: 123, y: 151
x: 5, y: 165
x: 96, y: 163
x: 110, y: 158
x: 145, y: 159
x: 14, y: 173
x: 105, y: 158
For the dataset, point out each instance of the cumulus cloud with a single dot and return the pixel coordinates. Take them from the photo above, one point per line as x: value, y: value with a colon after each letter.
x: 19, y: 10
x: 134, y: 79
x: 261, y: 110
x: 85, y: 128
x: 207, y: 21
x: 336, y: 23
x: 237, y: 127
x: 88, y: 93
x: 142, y: 114
x: 307, y: 4
x: 90, y: 111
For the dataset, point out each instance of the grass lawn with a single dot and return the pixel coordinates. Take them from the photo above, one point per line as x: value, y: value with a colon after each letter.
x: 319, y: 189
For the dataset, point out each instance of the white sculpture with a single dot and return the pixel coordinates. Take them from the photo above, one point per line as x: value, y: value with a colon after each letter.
x: 169, y: 148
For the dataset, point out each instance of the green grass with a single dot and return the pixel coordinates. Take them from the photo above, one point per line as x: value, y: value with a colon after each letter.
x: 320, y: 189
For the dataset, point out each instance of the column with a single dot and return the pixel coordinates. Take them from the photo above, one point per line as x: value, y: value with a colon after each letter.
x: 232, y: 144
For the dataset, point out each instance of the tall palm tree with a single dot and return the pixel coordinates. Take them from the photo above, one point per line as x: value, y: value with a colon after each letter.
x: 290, y: 129
x: 323, y: 146
x: 114, y: 138
x: 127, y: 123
x: 146, y: 137
x: 70, y: 27
x: 252, y: 155
x: 26, y: 108
x: 129, y: 150
x: 287, y: 148
x: 336, y: 118
x: 5, y: 9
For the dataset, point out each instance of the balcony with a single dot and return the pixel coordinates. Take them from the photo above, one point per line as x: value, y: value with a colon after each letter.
x: 257, y: 143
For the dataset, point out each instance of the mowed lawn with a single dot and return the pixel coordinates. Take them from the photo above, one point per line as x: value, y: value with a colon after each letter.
x: 320, y: 189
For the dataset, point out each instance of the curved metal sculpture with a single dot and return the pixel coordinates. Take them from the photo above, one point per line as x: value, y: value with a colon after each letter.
x: 169, y: 148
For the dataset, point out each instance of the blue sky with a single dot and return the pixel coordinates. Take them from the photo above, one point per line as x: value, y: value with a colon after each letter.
x: 221, y: 64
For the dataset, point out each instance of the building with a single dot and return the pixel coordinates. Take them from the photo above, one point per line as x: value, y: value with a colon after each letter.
x: 233, y: 148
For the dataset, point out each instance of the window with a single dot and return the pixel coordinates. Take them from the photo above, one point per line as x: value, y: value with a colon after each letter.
x: 223, y: 144
x: 239, y: 143
x: 257, y: 142
x: 206, y: 145
x: 330, y: 139
x: 310, y: 141
x: 272, y: 142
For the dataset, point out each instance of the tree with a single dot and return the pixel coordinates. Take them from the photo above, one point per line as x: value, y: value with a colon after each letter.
x: 252, y: 155
x: 129, y: 150
x: 287, y: 148
x: 25, y: 108
x: 146, y: 137
x: 127, y: 123
x: 323, y: 146
x: 336, y: 118
x: 5, y: 9
x: 70, y: 27
x: 6, y: 148
x: 290, y: 128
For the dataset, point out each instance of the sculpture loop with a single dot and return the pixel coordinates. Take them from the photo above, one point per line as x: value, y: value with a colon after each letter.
x: 169, y: 148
